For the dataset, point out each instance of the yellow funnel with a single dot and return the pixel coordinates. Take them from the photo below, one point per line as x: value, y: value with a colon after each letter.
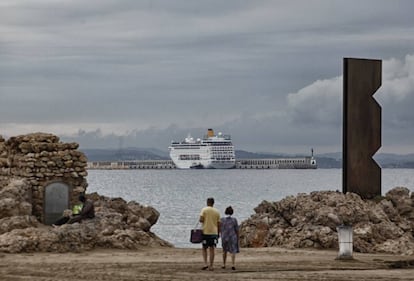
x: 210, y: 133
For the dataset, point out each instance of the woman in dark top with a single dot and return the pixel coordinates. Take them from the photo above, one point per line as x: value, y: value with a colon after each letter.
x: 229, y: 237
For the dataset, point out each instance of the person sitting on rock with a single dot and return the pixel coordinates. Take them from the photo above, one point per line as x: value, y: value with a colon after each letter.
x: 68, y: 214
x: 87, y: 212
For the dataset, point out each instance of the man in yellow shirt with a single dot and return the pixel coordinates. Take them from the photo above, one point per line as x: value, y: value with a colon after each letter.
x: 210, y: 218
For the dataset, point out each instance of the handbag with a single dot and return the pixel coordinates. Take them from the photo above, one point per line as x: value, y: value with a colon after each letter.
x: 196, y: 235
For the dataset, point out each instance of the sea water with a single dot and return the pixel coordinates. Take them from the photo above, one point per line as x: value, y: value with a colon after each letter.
x: 179, y: 195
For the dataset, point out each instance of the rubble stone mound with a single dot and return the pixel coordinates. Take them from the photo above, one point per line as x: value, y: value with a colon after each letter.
x: 118, y: 224
x: 385, y: 224
x: 37, y: 164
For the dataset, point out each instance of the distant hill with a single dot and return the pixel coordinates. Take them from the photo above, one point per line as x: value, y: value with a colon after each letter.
x: 388, y: 160
x: 241, y: 154
x: 325, y: 161
x: 125, y: 154
x: 156, y: 154
x: 385, y: 160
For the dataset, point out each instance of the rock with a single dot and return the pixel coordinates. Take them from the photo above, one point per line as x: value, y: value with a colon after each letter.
x: 147, y: 212
x: 311, y: 220
x: 27, y: 240
x: 402, y: 244
x: 17, y: 222
x: 15, y: 199
x: 400, y: 197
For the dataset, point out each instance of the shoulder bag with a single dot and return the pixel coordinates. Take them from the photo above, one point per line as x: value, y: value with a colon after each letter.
x: 196, y: 235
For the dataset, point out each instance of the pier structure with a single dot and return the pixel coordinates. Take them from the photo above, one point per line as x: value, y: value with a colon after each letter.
x: 131, y: 164
x: 277, y: 163
x: 266, y: 163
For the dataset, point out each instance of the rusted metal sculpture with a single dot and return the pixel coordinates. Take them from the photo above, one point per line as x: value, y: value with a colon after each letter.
x: 361, y: 127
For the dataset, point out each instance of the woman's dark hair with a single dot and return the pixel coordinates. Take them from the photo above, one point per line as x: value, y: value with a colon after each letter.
x: 229, y: 210
x: 82, y: 198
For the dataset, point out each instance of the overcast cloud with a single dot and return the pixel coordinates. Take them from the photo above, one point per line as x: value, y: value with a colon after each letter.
x: 141, y: 73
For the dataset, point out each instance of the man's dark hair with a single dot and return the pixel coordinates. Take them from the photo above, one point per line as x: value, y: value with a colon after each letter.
x: 82, y: 198
x: 228, y: 211
x: 210, y: 201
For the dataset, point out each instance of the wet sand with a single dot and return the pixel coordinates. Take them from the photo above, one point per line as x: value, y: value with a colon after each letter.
x: 186, y: 264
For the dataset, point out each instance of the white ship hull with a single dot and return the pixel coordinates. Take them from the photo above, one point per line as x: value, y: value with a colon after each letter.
x: 204, y: 165
x: 211, y: 152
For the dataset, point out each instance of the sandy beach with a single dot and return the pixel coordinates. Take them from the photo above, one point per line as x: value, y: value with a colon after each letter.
x: 185, y: 264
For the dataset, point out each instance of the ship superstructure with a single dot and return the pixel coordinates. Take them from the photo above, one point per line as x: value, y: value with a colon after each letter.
x: 210, y: 152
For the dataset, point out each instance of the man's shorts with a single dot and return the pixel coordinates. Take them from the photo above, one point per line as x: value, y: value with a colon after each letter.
x: 209, y: 241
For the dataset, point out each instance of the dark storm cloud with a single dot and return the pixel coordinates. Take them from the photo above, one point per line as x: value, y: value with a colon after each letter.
x: 268, y: 72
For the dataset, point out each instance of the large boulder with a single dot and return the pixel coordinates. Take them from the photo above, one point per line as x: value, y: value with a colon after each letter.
x: 311, y: 220
x: 15, y: 207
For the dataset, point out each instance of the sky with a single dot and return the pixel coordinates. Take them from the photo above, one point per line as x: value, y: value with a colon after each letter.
x: 117, y: 74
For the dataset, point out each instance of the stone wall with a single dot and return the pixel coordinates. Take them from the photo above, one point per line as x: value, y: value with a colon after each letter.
x: 41, y: 159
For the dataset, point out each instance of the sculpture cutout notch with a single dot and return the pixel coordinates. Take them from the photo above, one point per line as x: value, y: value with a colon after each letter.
x: 361, y: 127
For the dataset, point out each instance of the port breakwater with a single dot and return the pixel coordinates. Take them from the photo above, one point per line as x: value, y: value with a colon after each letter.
x: 268, y: 163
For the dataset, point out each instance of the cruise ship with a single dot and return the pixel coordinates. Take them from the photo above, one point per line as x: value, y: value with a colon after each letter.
x: 210, y: 152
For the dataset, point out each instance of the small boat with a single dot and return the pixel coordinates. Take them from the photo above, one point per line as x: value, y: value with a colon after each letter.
x: 197, y: 166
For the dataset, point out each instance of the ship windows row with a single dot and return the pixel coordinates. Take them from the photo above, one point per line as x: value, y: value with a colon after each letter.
x: 189, y: 157
x: 223, y: 158
x: 223, y: 148
x: 223, y: 153
x: 189, y: 146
